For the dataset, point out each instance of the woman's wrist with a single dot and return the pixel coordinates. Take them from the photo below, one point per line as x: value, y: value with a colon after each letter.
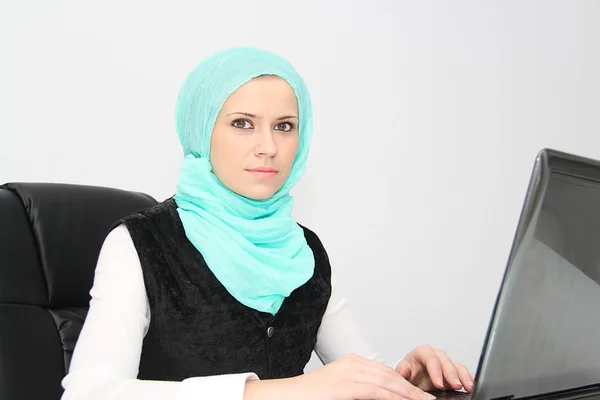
x: 271, y: 389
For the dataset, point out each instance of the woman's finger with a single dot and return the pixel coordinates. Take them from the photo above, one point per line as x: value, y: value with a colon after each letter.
x: 405, y: 369
x: 427, y: 356
x: 372, y: 372
x: 450, y: 372
x: 465, y: 377
x: 367, y: 391
x: 409, y: 369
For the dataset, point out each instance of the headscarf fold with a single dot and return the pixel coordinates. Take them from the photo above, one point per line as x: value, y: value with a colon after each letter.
x: 253, y: 247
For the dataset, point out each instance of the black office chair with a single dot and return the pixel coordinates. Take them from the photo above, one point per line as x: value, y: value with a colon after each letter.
x: 50, y: 238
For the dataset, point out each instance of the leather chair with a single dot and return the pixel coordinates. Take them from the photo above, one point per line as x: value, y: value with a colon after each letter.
x: 50, y: 238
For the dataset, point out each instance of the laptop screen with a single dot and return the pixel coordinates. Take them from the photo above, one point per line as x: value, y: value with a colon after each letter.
x: 547, y: 332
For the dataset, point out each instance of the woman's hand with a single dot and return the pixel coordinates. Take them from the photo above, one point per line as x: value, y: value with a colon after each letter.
x: 431, y: 369
x: 350, y: 378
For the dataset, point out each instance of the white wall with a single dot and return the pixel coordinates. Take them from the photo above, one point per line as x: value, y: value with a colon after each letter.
x: 428, y: 116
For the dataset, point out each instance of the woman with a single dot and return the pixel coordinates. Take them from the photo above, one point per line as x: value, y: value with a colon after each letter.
x: 217, y: 292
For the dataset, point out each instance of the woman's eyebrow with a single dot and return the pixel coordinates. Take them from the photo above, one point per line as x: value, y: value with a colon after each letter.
x: 286, y: 117
x: 242, y: 113
x: 254, y: 116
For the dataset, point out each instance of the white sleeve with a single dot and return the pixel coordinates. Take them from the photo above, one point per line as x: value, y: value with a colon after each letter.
x: 339, y: 334
x: 107, y: 355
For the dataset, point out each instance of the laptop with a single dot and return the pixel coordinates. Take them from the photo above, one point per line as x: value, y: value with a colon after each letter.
x: 543, y: 339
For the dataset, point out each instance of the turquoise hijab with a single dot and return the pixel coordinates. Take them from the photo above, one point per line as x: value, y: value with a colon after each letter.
x: 254, y: 247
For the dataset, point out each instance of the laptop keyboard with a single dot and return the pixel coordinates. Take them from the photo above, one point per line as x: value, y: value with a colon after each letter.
x: 452, y: 395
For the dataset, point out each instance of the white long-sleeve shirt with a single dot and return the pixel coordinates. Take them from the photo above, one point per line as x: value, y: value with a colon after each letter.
x: 107, y: 355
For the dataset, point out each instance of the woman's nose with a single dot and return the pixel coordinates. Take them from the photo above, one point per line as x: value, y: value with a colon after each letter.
x: 265, y: 143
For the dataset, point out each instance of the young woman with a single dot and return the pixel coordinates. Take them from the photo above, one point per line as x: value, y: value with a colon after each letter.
x: 217, y: 293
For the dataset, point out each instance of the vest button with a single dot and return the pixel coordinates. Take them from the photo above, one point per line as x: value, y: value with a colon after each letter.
x: 270, y: 331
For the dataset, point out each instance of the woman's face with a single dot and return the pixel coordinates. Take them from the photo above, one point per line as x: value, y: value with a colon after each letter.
x: 257, y: 129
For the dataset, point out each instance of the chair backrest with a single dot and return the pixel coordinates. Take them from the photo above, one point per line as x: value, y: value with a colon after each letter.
x: 50, y: 238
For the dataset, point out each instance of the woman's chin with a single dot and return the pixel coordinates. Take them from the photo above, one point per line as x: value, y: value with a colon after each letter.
x: 257, y: 193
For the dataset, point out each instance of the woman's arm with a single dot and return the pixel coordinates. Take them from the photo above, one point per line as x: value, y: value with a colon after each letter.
x: 339, y: 334
x: 107, y: 355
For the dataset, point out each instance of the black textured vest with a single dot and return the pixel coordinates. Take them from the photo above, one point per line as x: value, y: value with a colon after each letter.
x: 198, y: 329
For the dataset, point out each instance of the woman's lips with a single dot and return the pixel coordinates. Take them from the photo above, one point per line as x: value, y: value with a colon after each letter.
x: 261, y: 173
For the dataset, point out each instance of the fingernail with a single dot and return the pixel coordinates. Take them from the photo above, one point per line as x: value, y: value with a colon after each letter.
x: 440, y: 382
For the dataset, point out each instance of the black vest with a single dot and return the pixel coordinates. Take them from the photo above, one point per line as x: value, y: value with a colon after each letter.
x: 198, y: 329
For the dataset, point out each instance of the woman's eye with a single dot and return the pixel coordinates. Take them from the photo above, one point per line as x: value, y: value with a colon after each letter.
x: 285, y: 126
x: 242, y: 124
